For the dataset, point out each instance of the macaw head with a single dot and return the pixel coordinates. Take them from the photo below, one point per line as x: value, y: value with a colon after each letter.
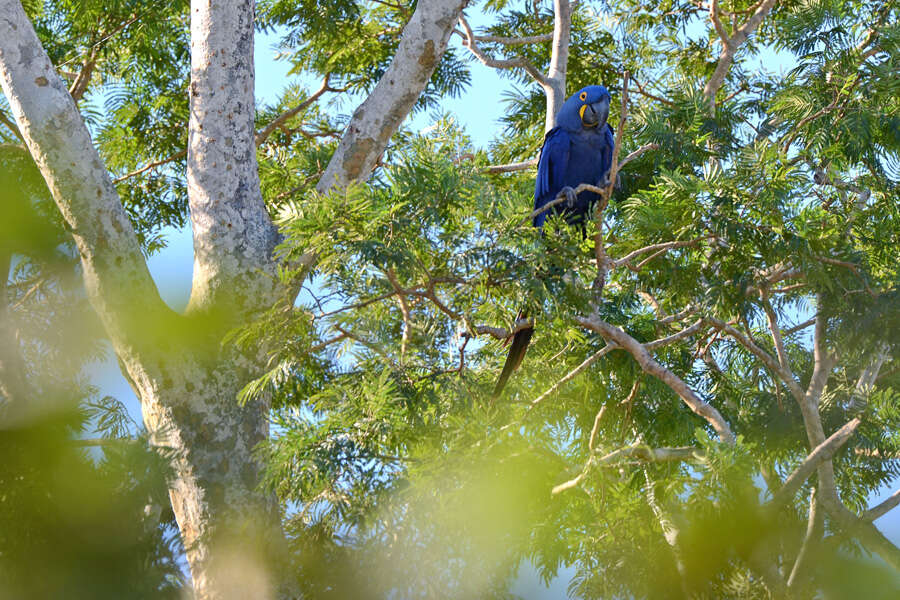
x: 587, y: 108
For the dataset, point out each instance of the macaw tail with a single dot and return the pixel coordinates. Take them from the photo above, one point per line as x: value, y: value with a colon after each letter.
x: 514, y: 358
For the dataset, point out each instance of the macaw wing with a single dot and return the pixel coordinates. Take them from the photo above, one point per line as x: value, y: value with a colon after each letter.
x: 607, y: 152
x: 551, y: 170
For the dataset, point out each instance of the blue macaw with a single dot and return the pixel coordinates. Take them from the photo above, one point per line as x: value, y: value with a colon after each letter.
x: 578, y: 150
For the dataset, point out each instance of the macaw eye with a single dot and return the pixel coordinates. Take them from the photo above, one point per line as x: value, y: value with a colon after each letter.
x: 583, y: 96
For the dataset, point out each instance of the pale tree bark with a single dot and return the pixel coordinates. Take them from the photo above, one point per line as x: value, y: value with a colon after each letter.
x: 186, y: 380
x: 555, y: 88
x: 422, y: 45
x: 731, y: 44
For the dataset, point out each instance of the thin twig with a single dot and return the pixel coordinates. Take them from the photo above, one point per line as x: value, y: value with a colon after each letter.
x: 511, y: 63
x: 263, y: 135
x: 575, y: 372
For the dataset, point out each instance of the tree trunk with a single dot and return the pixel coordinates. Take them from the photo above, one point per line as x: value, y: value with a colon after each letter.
x: 231, y: 530
x: 186, y: 380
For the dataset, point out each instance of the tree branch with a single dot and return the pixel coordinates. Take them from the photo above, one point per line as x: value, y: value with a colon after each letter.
x: 150, y: 166
x: 761, y: 354
x: 559, y: 61
x: 422, y: 44
x: 730, y: 46
x: 637, y: 452
x: 510, y: 63
x: 662, y: 246
x: 820, y: 454
x: 278, y: 121
x: 651, y: 366
x: 233, y: 234
x: 813, y: 534
x: 575, y: 372
x: 512, y: 167
x: 404, y: 310
x: 79, y: 86
x: 116, y: 276
x: 509, y: 41
x: 772, y: 320
x: 879, y: 510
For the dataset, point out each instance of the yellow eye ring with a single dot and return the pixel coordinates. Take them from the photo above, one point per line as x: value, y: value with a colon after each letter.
x: 583, y: 96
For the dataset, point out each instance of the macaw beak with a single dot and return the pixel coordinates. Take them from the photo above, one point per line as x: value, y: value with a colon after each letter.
x: 595, y: 114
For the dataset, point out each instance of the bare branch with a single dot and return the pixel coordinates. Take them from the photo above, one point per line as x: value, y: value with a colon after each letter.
x: 800, y: 326
x: 116, y: 275
x: 868, y: 377
x: 637, y: 452
x: 772, y: 319
x: 596, y: 428
x: 686, y: 332
x: 651, y: 366
x: 79, y: 86
x: 233, y: 234
x: 510, y: 63
x: 321, y: 346
x: 575, y: 372
x: 604, y: 264
x: 761, y: 354
x: 150, y: 166
x: 683, y: 314
x: 559, y: 61
x: 646, y: 94
x: 662, y: 246
x: 559, y: 200
x: 286, y: 115
x: 500, y: 333
x: 813, y: 534
x: 820, y: 454
x: 633, y: 155
x: 717, y: 22
x: 422, y: 44
x: 730, y: 46
x: 509, y: 41
x: 882, y: 509
x: 512, y: 167
x: 404, y: 310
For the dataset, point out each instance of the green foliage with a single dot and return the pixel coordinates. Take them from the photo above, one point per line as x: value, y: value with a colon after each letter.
x: 399, y: 475
x: 80, y: 526
x: 386, y: 437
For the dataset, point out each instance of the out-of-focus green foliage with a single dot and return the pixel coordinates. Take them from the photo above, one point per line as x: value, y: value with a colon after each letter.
x: 78, y: 524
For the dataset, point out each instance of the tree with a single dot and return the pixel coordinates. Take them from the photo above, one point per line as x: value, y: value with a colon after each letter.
x: 187, y: 382
x: 672, y: 371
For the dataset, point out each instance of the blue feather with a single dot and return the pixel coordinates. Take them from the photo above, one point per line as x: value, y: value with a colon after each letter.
x: 574, y: 153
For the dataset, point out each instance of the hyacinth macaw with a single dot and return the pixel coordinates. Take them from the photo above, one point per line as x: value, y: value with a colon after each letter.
x: 578, y: 150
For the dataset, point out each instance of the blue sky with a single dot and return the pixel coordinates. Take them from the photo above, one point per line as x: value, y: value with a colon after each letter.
x: 478, y: 110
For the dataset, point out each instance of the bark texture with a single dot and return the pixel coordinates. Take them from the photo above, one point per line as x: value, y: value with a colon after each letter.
x: 186, y: 379
x: 233, y: 235
x: 555, y: 86
x: 422, y: 45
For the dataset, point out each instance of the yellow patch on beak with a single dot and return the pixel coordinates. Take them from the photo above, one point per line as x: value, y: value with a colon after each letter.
x: 581, y: 114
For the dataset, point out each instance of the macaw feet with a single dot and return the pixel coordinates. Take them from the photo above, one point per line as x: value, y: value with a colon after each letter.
x: 571, y: 196
x: 604, y: 181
